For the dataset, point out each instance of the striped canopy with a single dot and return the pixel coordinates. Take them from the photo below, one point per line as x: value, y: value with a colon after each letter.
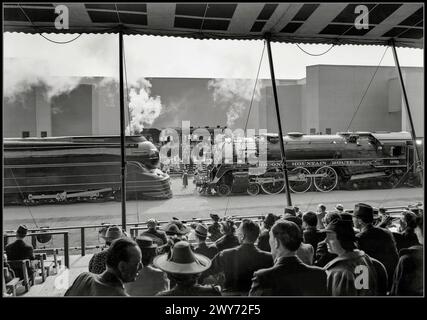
x: 325, y: 23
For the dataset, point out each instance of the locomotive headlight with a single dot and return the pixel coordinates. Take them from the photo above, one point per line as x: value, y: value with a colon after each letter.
x: 419, y: 142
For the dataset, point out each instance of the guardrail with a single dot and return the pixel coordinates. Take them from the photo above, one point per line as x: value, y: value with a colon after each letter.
x: 136, y: 226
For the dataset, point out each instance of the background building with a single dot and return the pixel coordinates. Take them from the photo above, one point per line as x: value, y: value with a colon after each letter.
x: 330, y: 99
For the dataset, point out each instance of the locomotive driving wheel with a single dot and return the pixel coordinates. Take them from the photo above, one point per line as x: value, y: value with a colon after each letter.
x: 274, y: 181
x: 223, y: 190
x: 253, y: 189
x: 299, y: 182
x: 327, y: 179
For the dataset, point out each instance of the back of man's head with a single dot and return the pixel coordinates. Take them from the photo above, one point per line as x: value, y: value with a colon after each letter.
x: 288, y: 234
x: 119, y: 251
x: 310, y: 218
x: 250, y: 230
x: 322, y: 207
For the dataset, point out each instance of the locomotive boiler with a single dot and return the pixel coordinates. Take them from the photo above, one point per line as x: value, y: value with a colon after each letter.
x: 350, y: 160
x: 68, y: 169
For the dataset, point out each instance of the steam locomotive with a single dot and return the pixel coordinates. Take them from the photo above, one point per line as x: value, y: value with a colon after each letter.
x: 69, y: 169
x: 349, y: 160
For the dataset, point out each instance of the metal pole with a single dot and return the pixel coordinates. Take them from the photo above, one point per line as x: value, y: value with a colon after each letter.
x: 279, y: 123
x: 408, y: 110
x: 122, y: 132
x: 82, y: 241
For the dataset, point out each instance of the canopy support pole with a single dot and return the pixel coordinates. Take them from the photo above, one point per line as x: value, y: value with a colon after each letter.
x: 122, y: 132
x: 279, y: 122
x: 408, y: 109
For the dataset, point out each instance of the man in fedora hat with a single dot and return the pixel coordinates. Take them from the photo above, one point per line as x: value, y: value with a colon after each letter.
x: 19, y: 250
x: 97, y: 263
x: 377, y: 242
x: 289, y: 276
x: 238, y: 264
x: 263, y: 239
x: 158, y: 236
x: 184, y: 267
x: 123, y: 265
x: 150, y: 280
x: 352, y: 272
x: 201, y: 233
x: 214, y: 229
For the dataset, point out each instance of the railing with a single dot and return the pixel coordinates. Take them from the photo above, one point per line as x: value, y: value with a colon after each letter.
x: 66, y: 243
x: 134, y: 227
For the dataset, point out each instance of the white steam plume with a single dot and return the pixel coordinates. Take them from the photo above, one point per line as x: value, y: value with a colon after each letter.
x: 21, y: 75
x: 144, y: 108
x: 234, y: 95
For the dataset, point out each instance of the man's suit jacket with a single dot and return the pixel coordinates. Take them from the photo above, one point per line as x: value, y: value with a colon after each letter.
x: 379, y: 243
x: 19, y: 250
x: 289, y: 277
x: 238, y: 265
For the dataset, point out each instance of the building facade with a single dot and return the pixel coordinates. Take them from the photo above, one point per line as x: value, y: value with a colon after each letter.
x: 330, y: 99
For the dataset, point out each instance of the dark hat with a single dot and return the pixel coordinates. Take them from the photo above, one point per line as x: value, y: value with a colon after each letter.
x: 364, y: 211
x: 145, y: 242
x: 270, y: 218
x: 201, y: 230
x: 290, y: 210
x: 296, y: 220
x: 22, y: 230
x: 346, y: 216
x: 343, y: 229
x: 214, y: 216
x: 176, y: 227
x: 182, y: 260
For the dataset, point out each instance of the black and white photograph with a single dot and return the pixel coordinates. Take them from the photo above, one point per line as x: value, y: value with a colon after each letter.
x: 216, y: 150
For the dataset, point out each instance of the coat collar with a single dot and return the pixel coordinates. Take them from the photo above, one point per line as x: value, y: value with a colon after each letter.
x: 346, y: 256
x: 287, y: 260
x: 111, y: 278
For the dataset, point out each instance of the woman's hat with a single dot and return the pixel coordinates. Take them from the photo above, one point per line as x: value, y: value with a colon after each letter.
x: 113, y: 233
x: 182, y: 260
x: 176, y: 227
x: 145, y: 242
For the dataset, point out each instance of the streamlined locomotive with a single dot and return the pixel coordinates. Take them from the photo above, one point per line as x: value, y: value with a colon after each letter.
x: 320, y: 162
x: 67, y: 169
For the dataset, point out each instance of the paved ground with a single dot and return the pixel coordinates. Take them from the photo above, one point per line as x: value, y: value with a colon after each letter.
x: 188, y: 205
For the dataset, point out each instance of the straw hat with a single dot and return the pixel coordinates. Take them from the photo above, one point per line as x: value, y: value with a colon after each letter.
x: 182, y: 260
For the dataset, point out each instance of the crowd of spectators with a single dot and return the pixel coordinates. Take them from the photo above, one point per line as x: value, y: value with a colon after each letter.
x: 324, y: 253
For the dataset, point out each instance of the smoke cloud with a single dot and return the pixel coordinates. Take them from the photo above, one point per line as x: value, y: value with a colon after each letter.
x: 234, y: 95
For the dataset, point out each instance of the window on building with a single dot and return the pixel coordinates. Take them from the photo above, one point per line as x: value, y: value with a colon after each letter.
x: 328, y: 131
x: 43, y: 134
x: 312, y: 130
x: 25, y: 134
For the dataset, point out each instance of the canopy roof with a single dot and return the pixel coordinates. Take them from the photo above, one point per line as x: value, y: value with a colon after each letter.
x: 285, y: 22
